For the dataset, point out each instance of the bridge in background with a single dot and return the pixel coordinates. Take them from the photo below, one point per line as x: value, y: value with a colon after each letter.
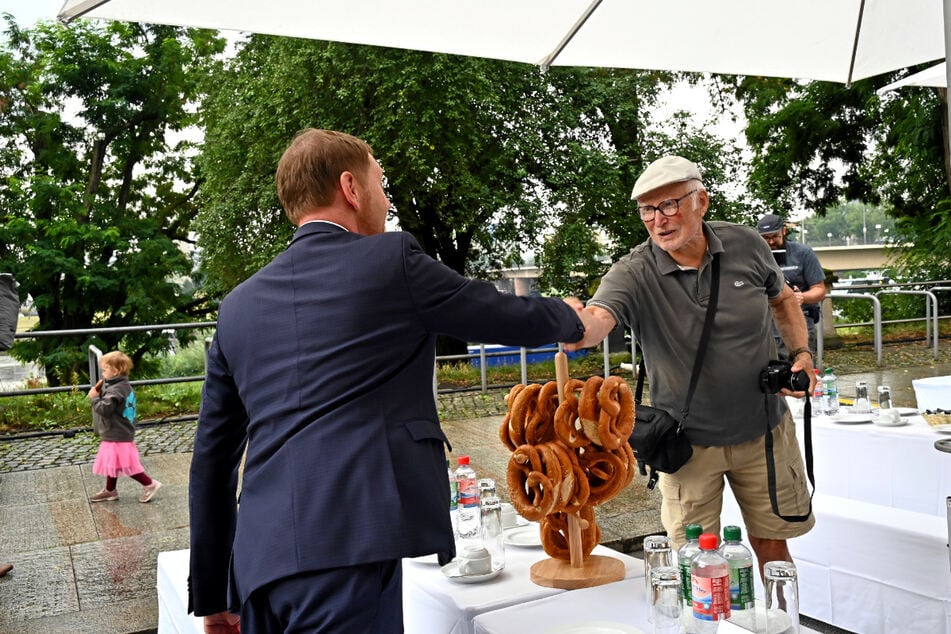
x: 858, y: 257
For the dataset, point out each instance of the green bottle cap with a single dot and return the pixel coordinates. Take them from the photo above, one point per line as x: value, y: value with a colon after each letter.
x: 828, y: 371
x: 693, y: 531
x: 732, y: 533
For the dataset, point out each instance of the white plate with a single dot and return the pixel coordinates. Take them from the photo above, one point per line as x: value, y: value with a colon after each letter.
x: 596, y: 627
x: 524, y: 536
x: 941, y: 429
x: 852, y: 419
x: 452, y: 572
x: 906, y: 411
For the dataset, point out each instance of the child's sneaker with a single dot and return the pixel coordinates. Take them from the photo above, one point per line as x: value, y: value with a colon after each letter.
x: 105, y: 496
x: 148, y: 491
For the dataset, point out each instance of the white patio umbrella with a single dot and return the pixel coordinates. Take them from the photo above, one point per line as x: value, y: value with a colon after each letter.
x: 834, y: 40
x: 936, y: 76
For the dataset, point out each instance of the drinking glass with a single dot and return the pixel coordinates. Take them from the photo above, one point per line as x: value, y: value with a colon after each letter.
x: 666, y: 603
x: 782, y: 597
x: 657, y: 553
x: 486, y: 488
x: 493, y: 537
x: 861, y: 404
x: 884, y: 397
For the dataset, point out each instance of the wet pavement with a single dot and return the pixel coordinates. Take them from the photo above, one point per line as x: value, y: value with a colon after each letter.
x: 81, y: 567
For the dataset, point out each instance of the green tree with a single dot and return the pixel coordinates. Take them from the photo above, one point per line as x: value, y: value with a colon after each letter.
x: 98, y: 194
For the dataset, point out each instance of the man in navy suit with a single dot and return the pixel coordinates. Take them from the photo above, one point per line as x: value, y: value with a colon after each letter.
x: 322, y: 365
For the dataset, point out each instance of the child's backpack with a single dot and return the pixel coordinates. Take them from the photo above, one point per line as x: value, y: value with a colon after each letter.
x: 129, y: 412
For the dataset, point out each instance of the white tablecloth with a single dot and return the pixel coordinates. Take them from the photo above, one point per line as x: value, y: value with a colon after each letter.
x: 623, y: 602
x: 172, y: 586
x: 877, y: 560
x: 432, y: 604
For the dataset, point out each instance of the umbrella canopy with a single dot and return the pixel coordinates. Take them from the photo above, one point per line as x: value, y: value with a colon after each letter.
x: 833, y: 40
x: 935, y: 76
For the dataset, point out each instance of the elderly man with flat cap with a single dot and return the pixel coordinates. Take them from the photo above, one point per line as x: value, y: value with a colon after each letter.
x: 660, y: 291
x: 802, y: 271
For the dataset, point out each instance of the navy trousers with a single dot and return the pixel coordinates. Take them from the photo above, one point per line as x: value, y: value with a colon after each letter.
x: 364, y: 599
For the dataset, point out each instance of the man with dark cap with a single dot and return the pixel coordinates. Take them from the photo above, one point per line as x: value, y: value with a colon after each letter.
x: 661, y: 290
x: 802, y: 271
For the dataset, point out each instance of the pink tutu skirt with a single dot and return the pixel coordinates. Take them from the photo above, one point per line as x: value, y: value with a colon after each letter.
x: 117, y: 458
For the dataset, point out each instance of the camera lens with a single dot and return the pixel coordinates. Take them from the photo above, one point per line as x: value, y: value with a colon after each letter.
x: 798, y: 381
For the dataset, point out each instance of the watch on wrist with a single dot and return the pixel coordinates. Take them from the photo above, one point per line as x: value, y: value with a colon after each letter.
x: 798, y: 351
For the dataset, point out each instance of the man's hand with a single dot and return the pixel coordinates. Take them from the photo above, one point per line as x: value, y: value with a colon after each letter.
x: 597, y: 324
x: 223, y: 623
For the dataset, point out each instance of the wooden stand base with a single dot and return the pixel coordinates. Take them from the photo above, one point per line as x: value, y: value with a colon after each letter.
x: 596, y: 570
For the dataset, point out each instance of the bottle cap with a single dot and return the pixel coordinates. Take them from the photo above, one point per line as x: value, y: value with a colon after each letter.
x: 693, y: 531
x: 463, y: 459
x: 828, y: 370
x: 732, y: 533
x: 708, y: 541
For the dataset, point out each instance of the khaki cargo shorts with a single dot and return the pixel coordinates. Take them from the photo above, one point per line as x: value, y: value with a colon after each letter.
x: 695, y: 493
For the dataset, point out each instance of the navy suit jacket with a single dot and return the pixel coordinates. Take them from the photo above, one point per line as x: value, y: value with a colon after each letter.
x: 323, y: 362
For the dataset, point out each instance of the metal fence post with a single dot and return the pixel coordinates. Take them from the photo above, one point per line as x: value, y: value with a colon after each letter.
x: 95, y: 374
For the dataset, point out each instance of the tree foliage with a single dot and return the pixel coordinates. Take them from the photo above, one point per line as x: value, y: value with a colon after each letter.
x: 98, y: 194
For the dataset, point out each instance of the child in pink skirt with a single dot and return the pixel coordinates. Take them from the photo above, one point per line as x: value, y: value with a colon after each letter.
x: 114, y: 401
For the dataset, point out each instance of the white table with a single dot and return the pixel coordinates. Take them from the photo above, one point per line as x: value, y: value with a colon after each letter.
x: 621, y: 602
x: 877, y: 559
x: 432, y: 604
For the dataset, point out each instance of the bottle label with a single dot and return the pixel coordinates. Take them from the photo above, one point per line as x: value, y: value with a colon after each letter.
x: 685, y: 580
x: 711, y: 597
x: 741, y: 588
x: 468, y: 493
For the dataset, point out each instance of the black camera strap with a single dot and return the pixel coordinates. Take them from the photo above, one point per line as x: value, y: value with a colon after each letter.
x: 697, y: 362
x: 771, y: 463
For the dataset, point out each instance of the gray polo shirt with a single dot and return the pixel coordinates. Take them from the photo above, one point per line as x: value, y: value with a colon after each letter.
x: 665, y: 308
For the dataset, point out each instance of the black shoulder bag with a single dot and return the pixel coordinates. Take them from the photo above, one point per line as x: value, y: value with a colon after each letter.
x: 658, y: 439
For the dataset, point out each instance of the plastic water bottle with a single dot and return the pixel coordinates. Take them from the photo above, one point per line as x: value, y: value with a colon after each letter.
x: 740, y: 560
x: 709, y: 586
x: 468, y: 515
x: 830, y: 392
x: 684, y: 558
x: 453, y: 500
x: 818, y: 404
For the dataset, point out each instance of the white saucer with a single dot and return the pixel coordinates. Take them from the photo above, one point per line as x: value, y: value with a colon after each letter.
x: 885, y: 422
x: 452, y: 572
x: 942, y: 429
x: 596, y: 627
x: 524, y: 536
x: 852, y: 419
x: 906, y: 411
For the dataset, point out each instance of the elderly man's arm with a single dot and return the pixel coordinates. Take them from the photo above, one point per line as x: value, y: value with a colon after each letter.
x: 792, y: 328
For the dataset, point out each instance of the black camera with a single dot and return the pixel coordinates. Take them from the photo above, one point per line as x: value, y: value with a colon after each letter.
x: 778, y: 375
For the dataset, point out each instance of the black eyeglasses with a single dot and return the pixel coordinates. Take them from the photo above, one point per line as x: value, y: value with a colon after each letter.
x: 667, y: 208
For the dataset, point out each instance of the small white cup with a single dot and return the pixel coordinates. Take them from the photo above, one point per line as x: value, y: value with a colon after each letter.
x: 509, y: 516
x: 475, y: 560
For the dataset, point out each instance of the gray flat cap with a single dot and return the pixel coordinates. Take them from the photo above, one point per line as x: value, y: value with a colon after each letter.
x: 664, y: 171
x: 770, y: 223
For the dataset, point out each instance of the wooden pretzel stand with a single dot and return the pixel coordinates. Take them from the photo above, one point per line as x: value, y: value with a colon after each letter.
x: 580, y: 571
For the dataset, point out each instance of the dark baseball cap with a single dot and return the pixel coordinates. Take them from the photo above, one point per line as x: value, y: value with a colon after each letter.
x: 770, y: 223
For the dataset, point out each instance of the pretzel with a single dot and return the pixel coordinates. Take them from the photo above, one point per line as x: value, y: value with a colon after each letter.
x: 616, y: 412
x: 554, y: 534
x: 504, y: 429
x: 606, y: 473
x: 566, y: 417
x: 532, y: 492
x: 522, y: 409
x: 589, y: 409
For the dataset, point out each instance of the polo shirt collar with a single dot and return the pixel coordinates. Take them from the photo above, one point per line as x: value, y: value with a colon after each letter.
x: 666, y: 264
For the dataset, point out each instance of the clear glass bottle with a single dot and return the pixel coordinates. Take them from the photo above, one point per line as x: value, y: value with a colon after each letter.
x: 709, y: 586
x: 453, y: 500
x: 830, y: 392
x: 740, y: 560
x: 467, y: 515
x: 493, y: 537
x: 684, y: 558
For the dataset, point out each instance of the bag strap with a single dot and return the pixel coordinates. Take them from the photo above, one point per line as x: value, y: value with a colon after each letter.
x: 771, y: 466
x: 701, y: 350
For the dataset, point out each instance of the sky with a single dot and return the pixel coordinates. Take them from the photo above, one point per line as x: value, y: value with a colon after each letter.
x: 27, y: 12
